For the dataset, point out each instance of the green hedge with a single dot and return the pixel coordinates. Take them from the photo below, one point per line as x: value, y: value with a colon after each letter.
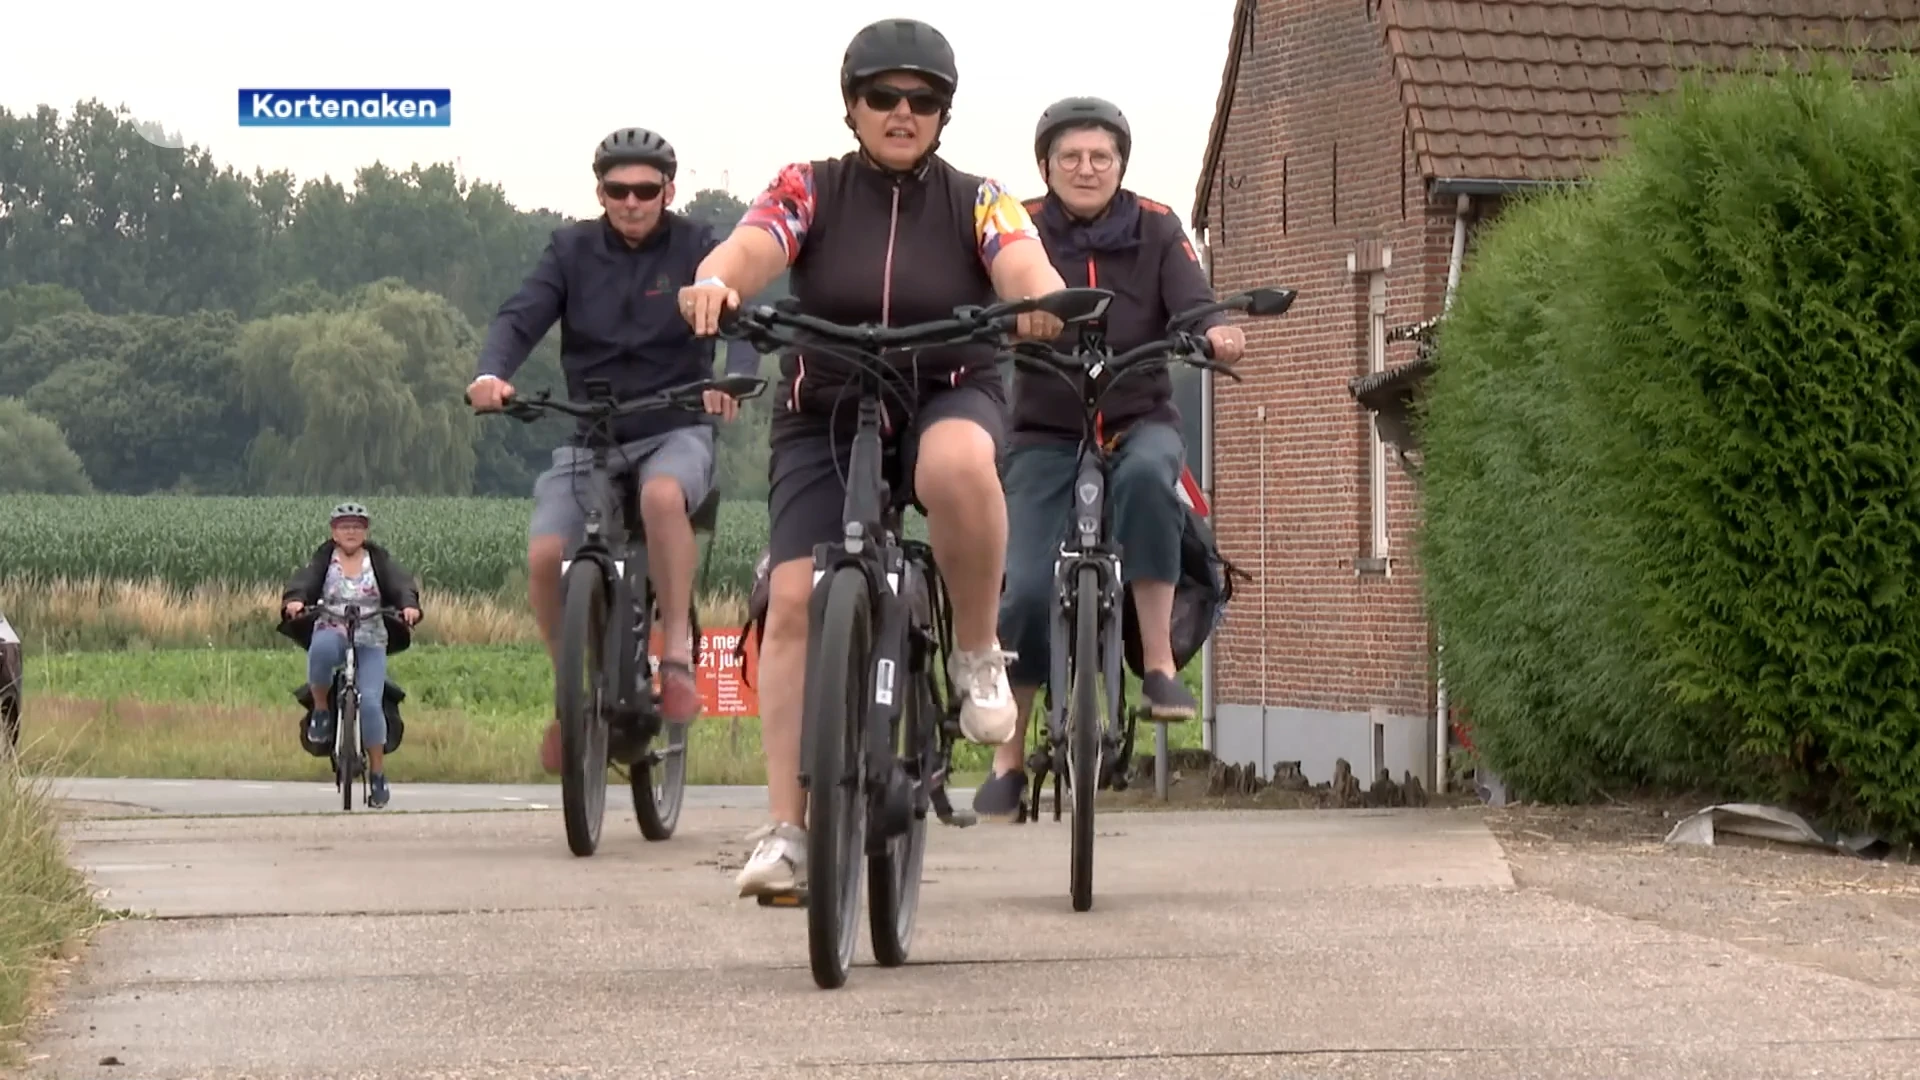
x: 1673, y: 459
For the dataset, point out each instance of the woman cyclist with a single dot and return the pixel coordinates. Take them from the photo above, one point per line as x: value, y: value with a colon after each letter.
x: 1099, y: 234
x: 888, y: 233
x: 350, y: 569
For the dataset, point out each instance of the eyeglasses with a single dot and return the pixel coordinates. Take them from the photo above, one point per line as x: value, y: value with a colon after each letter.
x: 1099, y: 161
x: 645, y: 191
x: 885, y: 98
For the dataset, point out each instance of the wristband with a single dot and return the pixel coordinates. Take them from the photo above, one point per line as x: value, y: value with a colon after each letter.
x: 710, y: 281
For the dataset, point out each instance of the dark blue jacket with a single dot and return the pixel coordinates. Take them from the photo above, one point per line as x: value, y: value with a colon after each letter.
x: 617, y: 305
x: 1137, y: 249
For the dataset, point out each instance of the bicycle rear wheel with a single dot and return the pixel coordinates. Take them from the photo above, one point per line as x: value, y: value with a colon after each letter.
x: 836, y: 699
x: 1083, y: 731
x: 580, y: 688
x: 893, y: 878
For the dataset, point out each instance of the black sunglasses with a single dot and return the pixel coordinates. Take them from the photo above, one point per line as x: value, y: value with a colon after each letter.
x: 646, y: 190
x: 884, y: 98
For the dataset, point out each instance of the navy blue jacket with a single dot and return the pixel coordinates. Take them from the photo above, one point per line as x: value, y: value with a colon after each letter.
x: 1137, y: 249
x: 617, y: 305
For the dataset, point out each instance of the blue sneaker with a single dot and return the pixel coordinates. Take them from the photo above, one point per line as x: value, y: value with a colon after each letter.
x: 377, y: 798
x: 320, y: 727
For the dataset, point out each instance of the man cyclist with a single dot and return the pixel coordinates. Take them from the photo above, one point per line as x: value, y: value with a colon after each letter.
x: 611, y: 283
x: 1099, y: 234
x: 888, y: 233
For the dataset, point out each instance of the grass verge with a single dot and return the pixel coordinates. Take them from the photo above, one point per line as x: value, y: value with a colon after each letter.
x: 44, y: 902
x: 474, y: 714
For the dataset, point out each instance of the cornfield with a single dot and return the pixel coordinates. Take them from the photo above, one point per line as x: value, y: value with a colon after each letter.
x: 468, y: 545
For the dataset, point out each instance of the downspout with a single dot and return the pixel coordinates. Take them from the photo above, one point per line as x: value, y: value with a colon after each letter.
x: 1441, y: 728
x: 1209, y: 733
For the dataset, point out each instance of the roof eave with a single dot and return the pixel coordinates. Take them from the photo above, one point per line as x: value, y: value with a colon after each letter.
x: 1444, y: 187
x: 1222, y: 105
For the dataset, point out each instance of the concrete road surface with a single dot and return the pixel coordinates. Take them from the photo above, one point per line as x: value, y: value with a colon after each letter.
x: 1277, y: 944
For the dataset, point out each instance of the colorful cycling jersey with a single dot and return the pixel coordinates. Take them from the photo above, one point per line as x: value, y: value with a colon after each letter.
x: 786, y: 209
x: 870, y: 246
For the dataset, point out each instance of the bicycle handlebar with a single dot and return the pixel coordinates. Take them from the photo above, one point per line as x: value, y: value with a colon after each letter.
x: 358, y: 614
x: 1179, y: 346
x: 601, y: 406
x: 778, y: 327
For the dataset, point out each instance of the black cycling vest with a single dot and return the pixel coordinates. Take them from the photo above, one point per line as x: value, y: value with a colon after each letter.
x: 894, y: 250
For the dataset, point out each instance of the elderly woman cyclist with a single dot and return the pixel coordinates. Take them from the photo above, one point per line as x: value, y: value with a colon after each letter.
x: 349, y: 569
x: 1099, y: 234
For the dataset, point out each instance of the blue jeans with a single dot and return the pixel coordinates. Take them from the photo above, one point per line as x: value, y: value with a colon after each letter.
x: 327, y: 652
x: 1143, y: 511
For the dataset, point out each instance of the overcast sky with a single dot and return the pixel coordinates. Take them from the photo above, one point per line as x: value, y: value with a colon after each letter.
x: 739, y: 86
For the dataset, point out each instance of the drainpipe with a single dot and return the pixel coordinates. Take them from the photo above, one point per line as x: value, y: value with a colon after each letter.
x: 1441, y: 729
x: 1209, y: 697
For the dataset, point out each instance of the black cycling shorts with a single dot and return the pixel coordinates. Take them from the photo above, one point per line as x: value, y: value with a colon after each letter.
x: 806, y: 497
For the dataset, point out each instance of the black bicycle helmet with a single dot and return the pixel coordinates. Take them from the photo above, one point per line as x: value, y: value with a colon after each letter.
x: 635, y: 146
x: 899, y: 45
x: 1075, y: 112
x: 348, y: 510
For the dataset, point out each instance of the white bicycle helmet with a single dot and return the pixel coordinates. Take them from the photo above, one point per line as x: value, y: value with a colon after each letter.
x: 349, y: 510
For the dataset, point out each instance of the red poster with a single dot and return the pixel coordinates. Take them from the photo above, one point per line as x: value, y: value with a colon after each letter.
x: 722, y: 690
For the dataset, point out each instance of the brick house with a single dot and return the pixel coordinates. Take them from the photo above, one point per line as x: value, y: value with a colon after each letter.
x: 1355, y: 146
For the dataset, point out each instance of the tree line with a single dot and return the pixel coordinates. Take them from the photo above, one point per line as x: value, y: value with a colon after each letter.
x: 168, y: 323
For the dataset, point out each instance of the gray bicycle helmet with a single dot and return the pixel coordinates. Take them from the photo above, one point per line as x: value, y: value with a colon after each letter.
x: 635, y: 146
x: 899, y: 45
x: 349, y: 510
x: 1077, y: 112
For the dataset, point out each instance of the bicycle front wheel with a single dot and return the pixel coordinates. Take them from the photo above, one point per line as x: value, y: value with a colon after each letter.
x: 580, y: 688
x: 660, y: 782
x: 836, y: 699
x: 1083, y: 731
x: 346, y: 740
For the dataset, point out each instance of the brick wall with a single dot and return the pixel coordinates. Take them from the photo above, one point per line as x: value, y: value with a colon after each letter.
x: 1317, y: 160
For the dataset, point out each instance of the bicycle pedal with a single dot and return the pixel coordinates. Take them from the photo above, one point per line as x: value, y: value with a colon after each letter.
x: 796, y: 899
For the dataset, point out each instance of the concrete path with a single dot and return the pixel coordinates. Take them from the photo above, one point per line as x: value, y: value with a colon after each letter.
x: 1279, y: 944
x: 111, y: 796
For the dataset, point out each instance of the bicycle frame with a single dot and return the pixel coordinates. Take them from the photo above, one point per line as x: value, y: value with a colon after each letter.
x: 1088, y: 542
x: 871, y: 542
x: 616, y: 546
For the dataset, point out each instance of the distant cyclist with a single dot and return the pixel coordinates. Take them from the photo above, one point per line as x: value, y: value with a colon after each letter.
x: 350, y: 569
x: 1099, y: 233
x: 611, y: 283
x: 889, y: 233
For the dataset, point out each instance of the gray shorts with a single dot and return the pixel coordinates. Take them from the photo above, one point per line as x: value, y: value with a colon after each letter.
x: 559, y: 494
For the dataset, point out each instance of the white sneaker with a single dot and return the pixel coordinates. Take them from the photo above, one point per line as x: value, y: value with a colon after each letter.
x: 778, y: 863
x: 987, y: 714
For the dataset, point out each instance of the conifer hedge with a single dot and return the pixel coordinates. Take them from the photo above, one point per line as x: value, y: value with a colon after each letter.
x: 1672, y: 445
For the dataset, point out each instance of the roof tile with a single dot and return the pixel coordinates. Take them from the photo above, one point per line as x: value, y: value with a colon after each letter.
x: 1536, y: 89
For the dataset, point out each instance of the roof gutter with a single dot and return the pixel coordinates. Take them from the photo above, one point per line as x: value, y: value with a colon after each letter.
x: 1455, y: 186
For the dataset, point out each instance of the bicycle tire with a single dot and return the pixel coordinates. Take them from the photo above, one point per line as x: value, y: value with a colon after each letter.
x: 659, y: 778
x: 660, y: 787
x: 1083, y: 731
x: 10, y: 721
x: 835, y: 707
x: 893, y: 878
x: 346, y: 717
x: 583, y: 722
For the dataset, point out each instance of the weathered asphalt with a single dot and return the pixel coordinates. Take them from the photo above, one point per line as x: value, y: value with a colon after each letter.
x: 1275, y: 944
